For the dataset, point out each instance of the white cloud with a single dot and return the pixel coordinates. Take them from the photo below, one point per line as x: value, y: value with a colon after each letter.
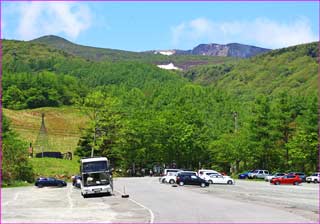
x: 38, y: 19
x: 261, y: 31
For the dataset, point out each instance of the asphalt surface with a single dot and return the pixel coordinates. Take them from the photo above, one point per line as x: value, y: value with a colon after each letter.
x: 54, y: 205
x: 246, y: 201
x: 150, y: 201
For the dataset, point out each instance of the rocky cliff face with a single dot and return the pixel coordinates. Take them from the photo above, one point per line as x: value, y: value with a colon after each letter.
x: 228, y: 50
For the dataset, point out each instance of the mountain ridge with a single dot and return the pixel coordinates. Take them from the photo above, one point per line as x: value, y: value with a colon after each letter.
x: 106, y: 54
x: 212, y: 49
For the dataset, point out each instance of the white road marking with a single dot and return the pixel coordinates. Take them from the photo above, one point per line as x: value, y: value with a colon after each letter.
x: 14, y: 199
x: 16, y: 196
x: 69, y: 197
x: 141, y: 205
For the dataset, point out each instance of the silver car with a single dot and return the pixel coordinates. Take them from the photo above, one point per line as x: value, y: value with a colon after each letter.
x: 261, y: 174
x: 274, y: 175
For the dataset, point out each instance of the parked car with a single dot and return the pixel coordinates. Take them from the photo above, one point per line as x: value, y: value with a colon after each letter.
x: 49, y: 182
x: 166, y: 171
x: 189, y: 178
x: 162, y: 179
x: 188, y: 172
x: 315, y: 178
x: 202, y: 173
x: 300, y: 174
x: 170, y: 178
x: 261, y: 174
x: 274, y: 175
x: 245, y: 174
x: 219, y: 179
x: 287, y: 179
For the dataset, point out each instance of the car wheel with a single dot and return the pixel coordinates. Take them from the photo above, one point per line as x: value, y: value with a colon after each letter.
x: 163, y: 181
x: 295, y: 183
x: 315, y: 181
x: 229, y: 182
x: 210, y: 182
x: 308, y: 182
x: 40, y: 185
x: 59, y: 185
x: 171, y: 181
x: 202, y: 185
x: 181, y: 183
x: 277, y: 183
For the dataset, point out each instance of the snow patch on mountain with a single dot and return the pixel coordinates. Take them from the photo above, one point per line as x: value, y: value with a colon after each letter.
x: 169, y: 66
x: 168, y: 52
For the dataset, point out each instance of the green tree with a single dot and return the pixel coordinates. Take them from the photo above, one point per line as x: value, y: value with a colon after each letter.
x: 260, y: 133
x: 102, y: 134
x: 15, y: 164
x: 303, y: 147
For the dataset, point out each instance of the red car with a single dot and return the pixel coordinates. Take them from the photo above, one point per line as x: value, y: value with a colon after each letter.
x: 287, y: 179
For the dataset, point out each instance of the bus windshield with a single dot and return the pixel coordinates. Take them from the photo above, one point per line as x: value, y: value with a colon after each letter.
x: 94, y: 166
x: 95, y: 179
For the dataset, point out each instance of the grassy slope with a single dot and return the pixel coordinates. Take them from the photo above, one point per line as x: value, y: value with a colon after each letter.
x: 59, y: 168
x: 63, y: 125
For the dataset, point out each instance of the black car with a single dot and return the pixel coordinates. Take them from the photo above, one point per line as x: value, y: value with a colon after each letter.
x: 49, y: 182
x: 189, y: 178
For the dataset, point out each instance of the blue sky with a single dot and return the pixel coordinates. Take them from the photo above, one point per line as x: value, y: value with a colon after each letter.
x: 139, y: 26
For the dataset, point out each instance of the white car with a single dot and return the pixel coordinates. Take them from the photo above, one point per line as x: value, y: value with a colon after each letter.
x: 218, y: 179
x: 171, y: 177
x: 315, y: 178
x: 166, y: 171
x: 274, y: 175
x: 203, y: 173
x: 162, y: 179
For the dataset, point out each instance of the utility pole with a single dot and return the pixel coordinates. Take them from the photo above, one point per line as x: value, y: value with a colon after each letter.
x: 235, y: 120
x: 235, y: 116
x: 94, y: 141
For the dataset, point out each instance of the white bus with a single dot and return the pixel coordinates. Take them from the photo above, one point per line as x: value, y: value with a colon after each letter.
x: 96, y: 176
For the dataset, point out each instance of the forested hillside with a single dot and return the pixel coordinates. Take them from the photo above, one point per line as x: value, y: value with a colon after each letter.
x: 254, y: 113
x: 291, y: 69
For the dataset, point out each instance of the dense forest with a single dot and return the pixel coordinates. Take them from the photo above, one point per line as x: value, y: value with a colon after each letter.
x: 255, y: 113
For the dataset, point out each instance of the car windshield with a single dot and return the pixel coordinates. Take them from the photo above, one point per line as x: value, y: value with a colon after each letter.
x: 315, y: 174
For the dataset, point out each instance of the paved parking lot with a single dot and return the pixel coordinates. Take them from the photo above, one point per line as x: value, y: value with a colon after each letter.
x: 150, y: 201
x: 302, y: 199
x: 246, y: 201
x: 31, y: 204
